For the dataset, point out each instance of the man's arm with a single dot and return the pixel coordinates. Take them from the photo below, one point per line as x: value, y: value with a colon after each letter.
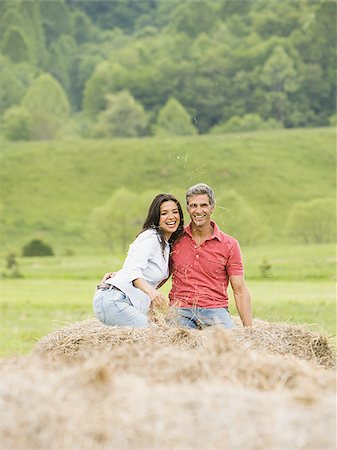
x: 242, y: 299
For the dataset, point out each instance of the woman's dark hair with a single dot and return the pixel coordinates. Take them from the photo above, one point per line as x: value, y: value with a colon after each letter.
x: 153, y: 217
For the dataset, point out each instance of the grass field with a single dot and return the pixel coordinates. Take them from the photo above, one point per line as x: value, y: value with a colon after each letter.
x: 58, y: 290
x: 49, y: 189
x: 32, y: 308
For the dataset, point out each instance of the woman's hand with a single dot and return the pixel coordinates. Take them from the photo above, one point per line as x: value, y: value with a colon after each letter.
x: 108, y: 275
x: 158, y: 300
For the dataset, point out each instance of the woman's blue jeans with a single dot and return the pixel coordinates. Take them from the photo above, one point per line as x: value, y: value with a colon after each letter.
x: 113, y: 307
x: 203, y: 317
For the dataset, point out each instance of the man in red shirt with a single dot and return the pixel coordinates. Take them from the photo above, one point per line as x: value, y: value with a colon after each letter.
x: 204, y: 261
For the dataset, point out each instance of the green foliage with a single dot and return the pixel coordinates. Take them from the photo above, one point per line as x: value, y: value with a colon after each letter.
x: 62, y: 54
x: 218, y: 59
x: 237, y: 218
x: 56, y: 19
x: 174, y: 120
x: 12, y: 269
x: 48, y: 106
x: 265, y: 268
x: 333, y: 120
x: 313, y: 221
x: 17, y: 123
x: 107, y: 78
x: 119, y: 219
x: 15, y: 45
x: 82, y: 27
x: 281, y: 78
x: 36, y: 247
x: 12, y: 86
x: 123, y: 117
x: 249, y: 122
x: 194, y: 20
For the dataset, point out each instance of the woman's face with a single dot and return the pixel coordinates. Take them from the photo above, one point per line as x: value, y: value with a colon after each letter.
x: 169, y: 218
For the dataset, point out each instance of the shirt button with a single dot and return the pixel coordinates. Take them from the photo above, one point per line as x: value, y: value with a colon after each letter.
x: 197, y: 256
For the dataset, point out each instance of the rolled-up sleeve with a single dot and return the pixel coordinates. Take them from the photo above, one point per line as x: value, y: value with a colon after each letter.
x: 139, y: 254
x: 234, y: 264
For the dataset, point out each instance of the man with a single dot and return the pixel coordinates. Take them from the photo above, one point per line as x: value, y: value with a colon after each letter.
x: 204, y: 261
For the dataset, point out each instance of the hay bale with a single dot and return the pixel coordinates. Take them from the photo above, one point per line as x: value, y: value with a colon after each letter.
x: 91, y: 334
x: 148, y: 388
x: 287, y: 339
x: 275, y: 338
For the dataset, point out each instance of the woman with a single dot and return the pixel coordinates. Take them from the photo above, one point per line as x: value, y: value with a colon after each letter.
x: 124, y: 298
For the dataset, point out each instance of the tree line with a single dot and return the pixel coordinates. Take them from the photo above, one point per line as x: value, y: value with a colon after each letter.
x: 157, y: 67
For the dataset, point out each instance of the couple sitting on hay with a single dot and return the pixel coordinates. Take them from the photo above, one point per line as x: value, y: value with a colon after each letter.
x: 201, y: 258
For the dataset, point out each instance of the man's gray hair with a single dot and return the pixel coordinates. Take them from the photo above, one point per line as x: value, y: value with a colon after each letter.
x: 201, y: 189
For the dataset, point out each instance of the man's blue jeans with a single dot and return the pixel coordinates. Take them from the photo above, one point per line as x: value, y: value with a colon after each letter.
x: 203, y: 317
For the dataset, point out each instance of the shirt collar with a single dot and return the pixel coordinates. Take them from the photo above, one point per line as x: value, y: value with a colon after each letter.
x: 216, y: 231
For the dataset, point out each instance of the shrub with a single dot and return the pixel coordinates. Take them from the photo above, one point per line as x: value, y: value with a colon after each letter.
x: 238, y: 218
x: 36, y: 247
x: 248, y: 122
x: 17, y: 123
x: 313, y: 221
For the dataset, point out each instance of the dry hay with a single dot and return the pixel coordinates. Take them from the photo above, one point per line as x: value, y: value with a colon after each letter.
x: 276, y: 338
x: 88, y: 386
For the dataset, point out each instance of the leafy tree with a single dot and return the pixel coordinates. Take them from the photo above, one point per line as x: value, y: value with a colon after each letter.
x: 15, y: 45
x: 62, y: 55
x: 56, y: 19
x: 17, y: 124
x: 173, y: 119
x: 239, y: 219
x: 194, y: 18
x: 48, y: 106
x: 107, y: 78
x: 32, y: 23
x: 115, y: 223
x: 123, y: 117
x: 12, y: 86
x: 280, y: 78
x: 313, y: 221
x: 21, y: 31
x: 119, y: 13
x: 83, y: 29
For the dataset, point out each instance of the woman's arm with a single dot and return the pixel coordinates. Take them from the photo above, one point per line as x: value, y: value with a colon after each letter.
x: 157, y: 297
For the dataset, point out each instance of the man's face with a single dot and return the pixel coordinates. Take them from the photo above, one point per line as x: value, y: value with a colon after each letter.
x: 200, y: 210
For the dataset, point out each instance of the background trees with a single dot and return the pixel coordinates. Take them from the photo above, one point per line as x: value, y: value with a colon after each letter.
x: 48, y: 106
x: 219, y: 59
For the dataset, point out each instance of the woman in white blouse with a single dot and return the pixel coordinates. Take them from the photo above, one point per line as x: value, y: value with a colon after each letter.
x: 124, y: 297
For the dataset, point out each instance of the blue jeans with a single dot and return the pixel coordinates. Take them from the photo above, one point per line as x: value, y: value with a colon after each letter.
x: 203, y: 317
x: 113, y: 307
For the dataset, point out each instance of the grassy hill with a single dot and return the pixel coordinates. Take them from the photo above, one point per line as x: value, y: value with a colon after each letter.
x: 49, y: 189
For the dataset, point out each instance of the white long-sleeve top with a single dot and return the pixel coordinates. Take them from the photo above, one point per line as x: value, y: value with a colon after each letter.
x: 146, y: 260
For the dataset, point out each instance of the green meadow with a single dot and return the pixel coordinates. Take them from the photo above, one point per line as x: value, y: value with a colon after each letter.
x: 58, y: 291
x: 50, y: 189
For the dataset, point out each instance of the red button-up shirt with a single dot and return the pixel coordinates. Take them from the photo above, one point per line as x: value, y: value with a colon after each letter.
x: 200, y: 274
